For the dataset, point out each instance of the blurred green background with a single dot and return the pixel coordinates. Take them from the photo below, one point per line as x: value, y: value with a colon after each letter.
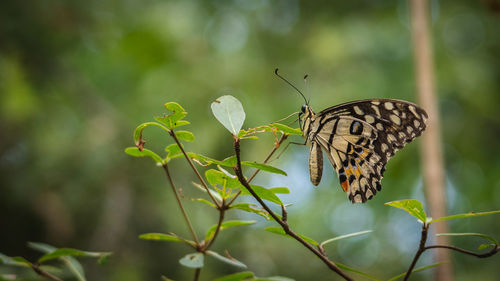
x: 76, y: 78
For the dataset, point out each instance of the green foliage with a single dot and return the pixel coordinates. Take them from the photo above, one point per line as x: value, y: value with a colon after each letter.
x: 345, y: 236
x: 280, y: 231
x: 412, y: 206
x: 136, y: 152
x: 232, y: 261
x: 263, y: 193
x: 173, y: 120
x: 225, y: 225
x: 493, y: 241
x: 264, y: 167
x: 467, y: 215
x: 417, y: 270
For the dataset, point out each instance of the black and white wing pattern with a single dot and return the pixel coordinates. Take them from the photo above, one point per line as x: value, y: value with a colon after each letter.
x: 359, y: 137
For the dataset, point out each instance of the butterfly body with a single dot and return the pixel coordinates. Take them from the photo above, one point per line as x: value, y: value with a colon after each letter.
x: 358, y: 138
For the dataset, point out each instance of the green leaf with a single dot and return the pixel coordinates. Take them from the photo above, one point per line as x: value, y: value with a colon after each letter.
x: 214, y: 193
x: 286, y: 130
x: 172, y: 120
x: 280, y: 190
x: 273, y: 278
x: 61, y: 253
x: 264, y: 167
x: 240, y: 276
x: 185, y: 136
x: 14, y: 261
x: 229, y: 112
x: 65, y: 252
x: 230, y: 261
x: 485, y: 246
x: 412, y: 206
x: 280, y: 231
x: 173, y: 151
x: 263, y: 193
x: 228, y: 162
x: 134, y: 151
x: 345, y: 236
x: 249, y: 207
x: 194, y: 260
x: 161, y: 237
x: 215, y: 177
x: 204, y: 201
x: 467, y: 215
x: 366, y: 275
x: 225, y: 225
x: 73, y: 264
x: 417, y: 270
x: 164, y: 278
x: 141, y: 127
x: 487, y: 237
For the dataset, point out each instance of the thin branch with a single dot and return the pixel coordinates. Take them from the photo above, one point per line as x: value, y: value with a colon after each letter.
x: 282, y: 139
x: 421, y: 249
x: 197, y: 274
x: 479, y: 255
x: 44, y: 273
x: 282, y: 223
x: 172, y: 133
x: 179, y: 202
x: 222, y: 212
x: 275, y: 148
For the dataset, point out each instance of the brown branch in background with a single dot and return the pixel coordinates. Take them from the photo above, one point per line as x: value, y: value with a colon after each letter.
x: 431, y: 151
x: 282, y: 223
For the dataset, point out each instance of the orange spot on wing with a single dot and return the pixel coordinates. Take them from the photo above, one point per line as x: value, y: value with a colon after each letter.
x: 345, y: 186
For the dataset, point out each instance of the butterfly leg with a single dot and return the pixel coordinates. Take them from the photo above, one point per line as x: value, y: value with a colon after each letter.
x: 286, y: 147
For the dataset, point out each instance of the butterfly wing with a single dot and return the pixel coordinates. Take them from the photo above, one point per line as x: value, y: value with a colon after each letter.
x: 359, y: 138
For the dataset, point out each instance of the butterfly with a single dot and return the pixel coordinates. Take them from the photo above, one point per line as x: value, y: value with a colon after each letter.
x: 359, y: 137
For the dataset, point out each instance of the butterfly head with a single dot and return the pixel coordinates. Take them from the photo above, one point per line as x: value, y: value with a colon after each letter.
x: 305, y: 117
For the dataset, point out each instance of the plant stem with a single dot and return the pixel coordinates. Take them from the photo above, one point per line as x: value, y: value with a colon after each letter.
x: 282, y: 223
x: 478, y: 255
x: 197, y: 274
x: 183, y: 211
x: 222, y: 212
x: 421, y: 249
x: 44, y: 273
x: 276, y: 147
x: 282, y: 139
x: 172, y: 133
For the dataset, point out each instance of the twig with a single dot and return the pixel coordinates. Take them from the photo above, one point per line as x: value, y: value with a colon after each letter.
x: 282, y: 139
x: 179, y: 202
x: 172, y: 133
x: 44, y: 273
x: 421, y: 249
x: 276, y: 147
x: 478, y: 255
x: 197, y: 274
x: 222, y: 212
x: 282, y: 223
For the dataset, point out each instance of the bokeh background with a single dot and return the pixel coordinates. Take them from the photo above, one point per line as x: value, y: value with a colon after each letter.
x: 76, y: 78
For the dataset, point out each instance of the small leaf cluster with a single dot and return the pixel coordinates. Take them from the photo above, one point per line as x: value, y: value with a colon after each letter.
x: 66, y: 257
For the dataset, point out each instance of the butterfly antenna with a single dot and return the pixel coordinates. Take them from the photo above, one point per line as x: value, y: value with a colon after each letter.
x: 307, y: 88
x: 296, y: 89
